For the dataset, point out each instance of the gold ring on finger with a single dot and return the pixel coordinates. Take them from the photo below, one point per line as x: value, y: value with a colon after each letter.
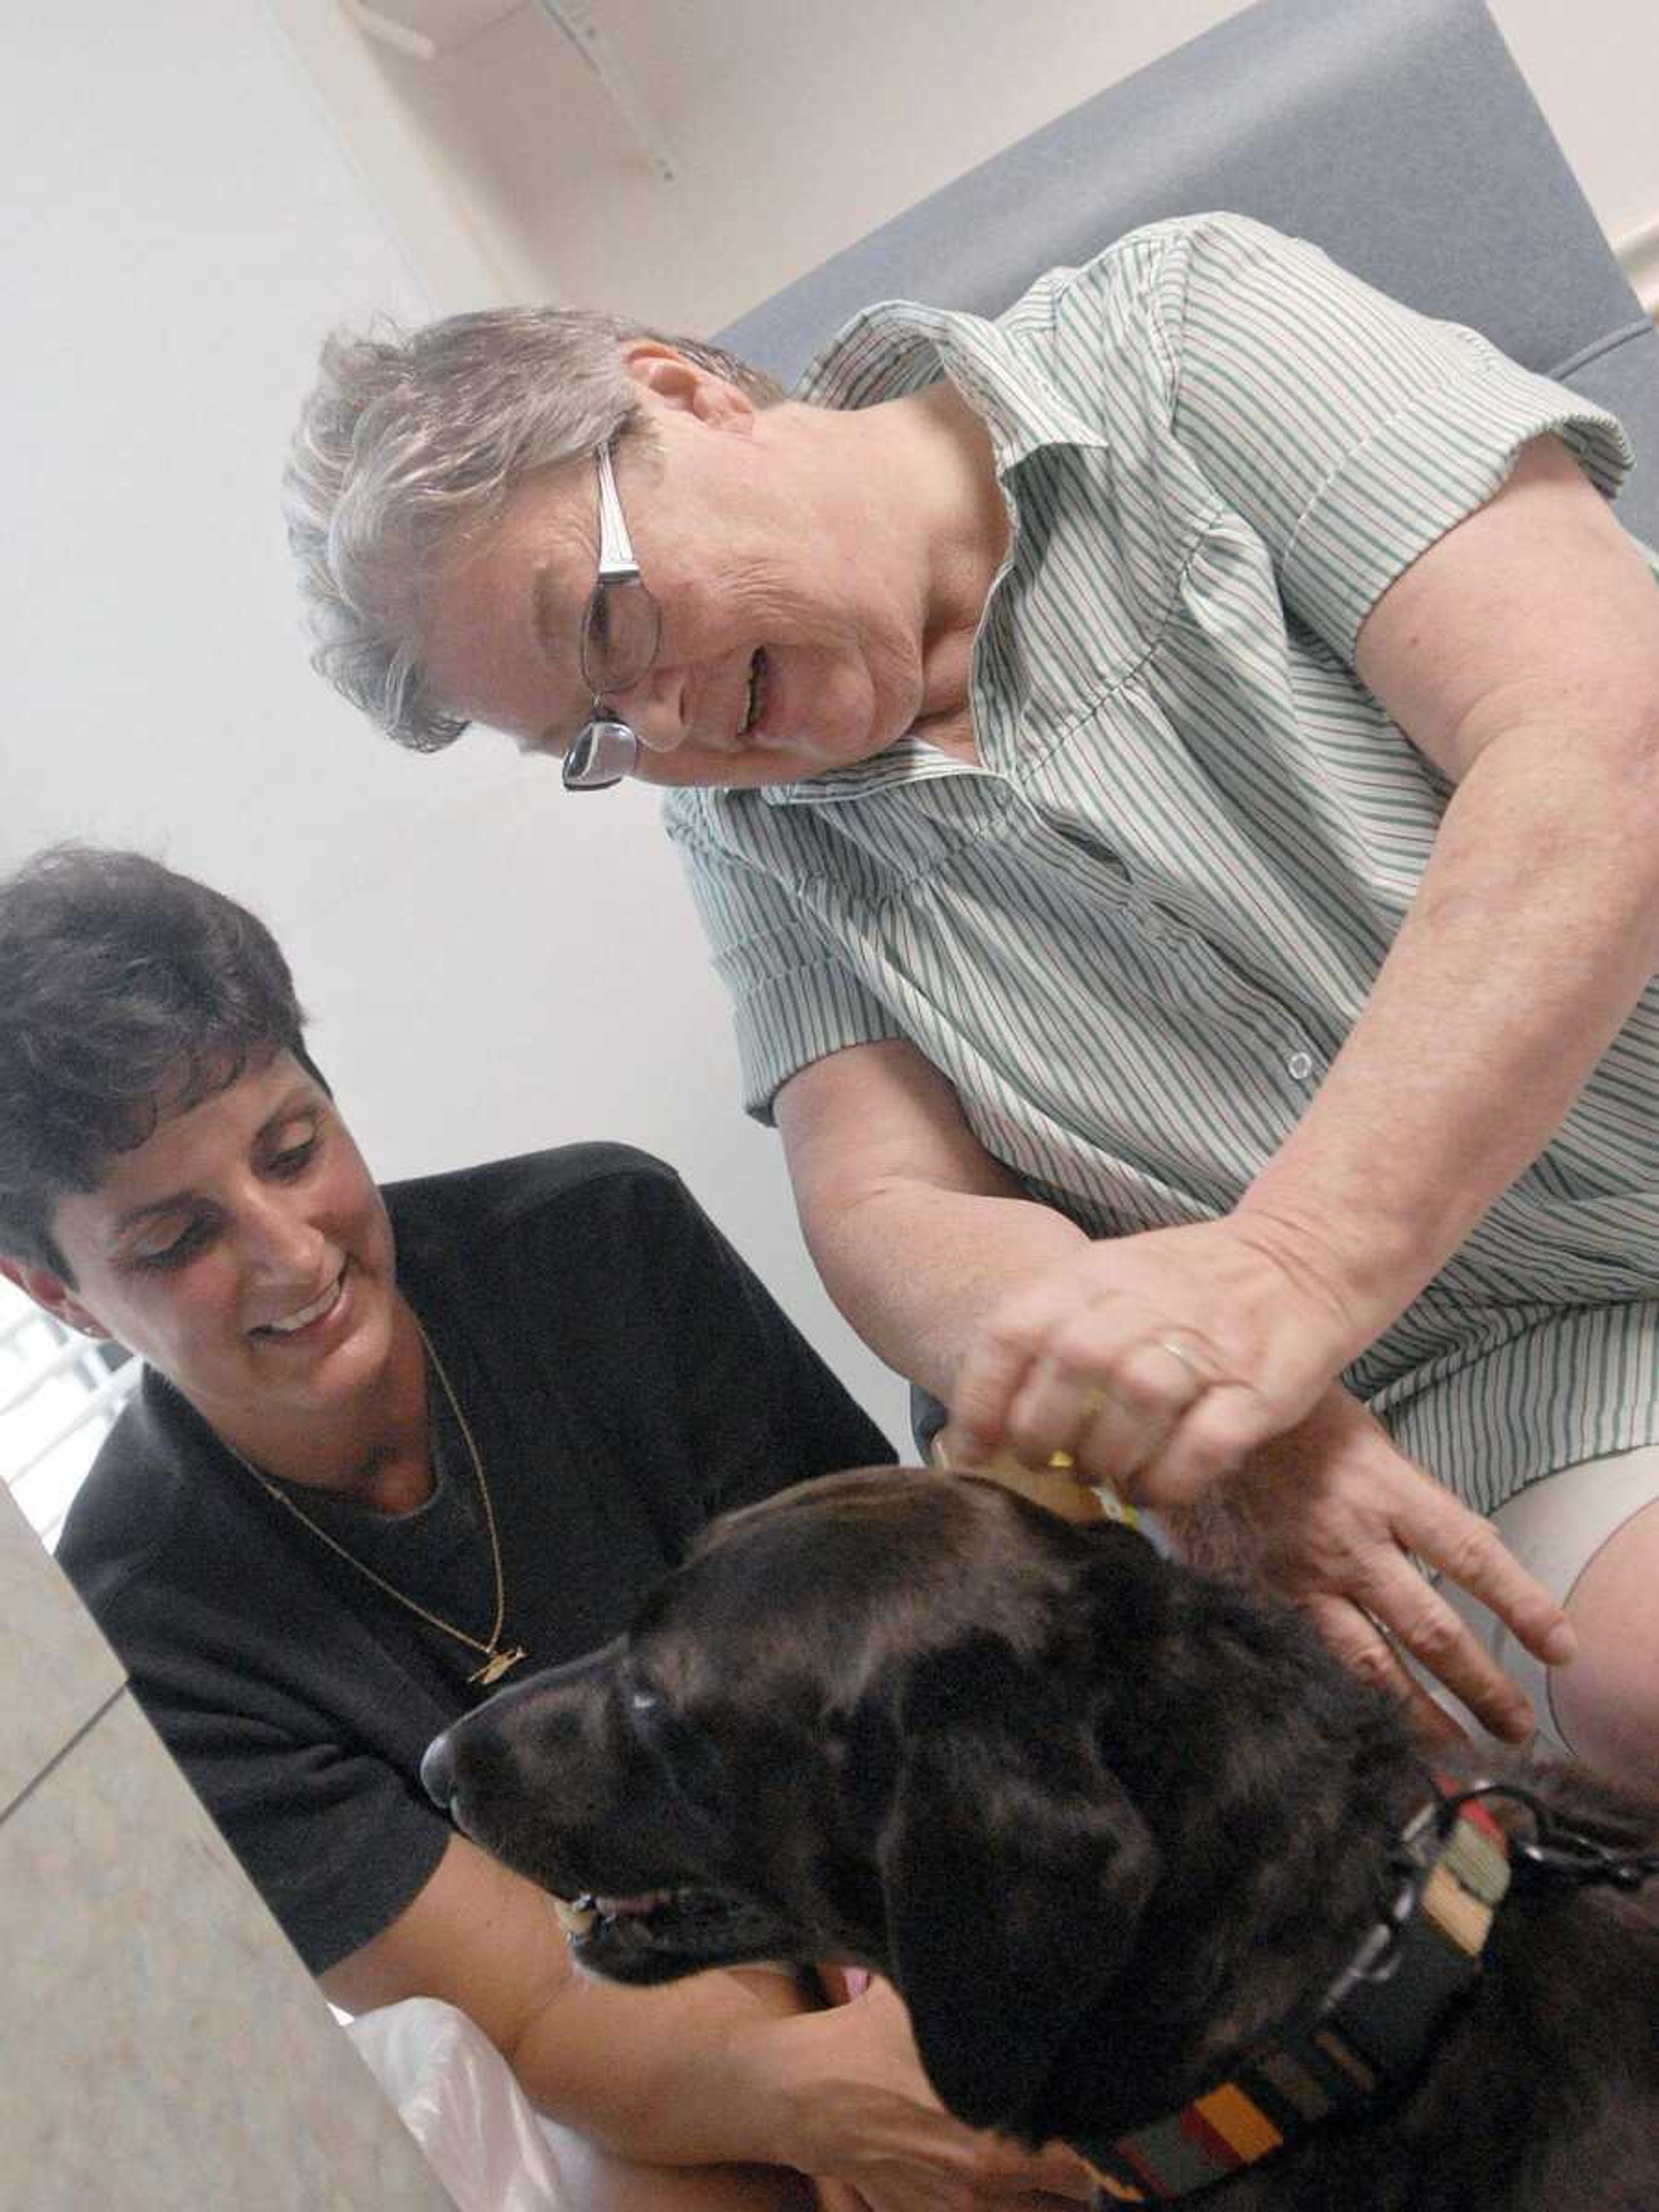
x: 1179, y: 1352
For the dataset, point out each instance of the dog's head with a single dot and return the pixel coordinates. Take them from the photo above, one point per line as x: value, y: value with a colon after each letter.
x: 862, y: 1724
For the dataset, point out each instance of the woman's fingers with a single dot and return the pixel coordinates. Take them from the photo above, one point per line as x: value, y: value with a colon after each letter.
x: 1468, y: 1551
x: 1157, y: 1360
x: 994, y: 1368
x: 1112, y: 1427
x: 1367, y: 1525
x: 1334, y: 1517
x: 1221, y: 1426
x: 1106, y: 1378
x: 1350, y: 1634
x: 1401, y: 1598
x: 1421, y: 1622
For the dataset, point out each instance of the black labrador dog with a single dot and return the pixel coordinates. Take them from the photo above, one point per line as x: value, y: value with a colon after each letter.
x: 1152, y: 1872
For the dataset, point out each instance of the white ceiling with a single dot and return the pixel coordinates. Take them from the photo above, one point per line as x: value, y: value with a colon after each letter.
x: 511, y: 170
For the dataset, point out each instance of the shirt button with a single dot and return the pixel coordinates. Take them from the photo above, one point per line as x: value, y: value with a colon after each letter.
x: 1300, y: 1065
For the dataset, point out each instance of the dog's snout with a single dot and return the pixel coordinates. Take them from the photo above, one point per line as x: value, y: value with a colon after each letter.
x: 438, y: 1771
x: 486, y: 1771
x: 462, y: 1771
x: 478, y: 1761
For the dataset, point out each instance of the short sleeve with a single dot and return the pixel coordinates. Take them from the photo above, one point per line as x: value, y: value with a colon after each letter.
x: 334, y: 1838
x: 795, y: 999
x: 1349, y: 432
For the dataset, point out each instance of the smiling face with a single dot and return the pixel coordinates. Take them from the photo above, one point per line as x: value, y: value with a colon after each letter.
x: 793, y: 619
x: 244, y: 1251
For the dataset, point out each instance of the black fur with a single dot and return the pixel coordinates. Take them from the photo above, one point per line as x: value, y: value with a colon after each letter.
x: 1101, y: 1818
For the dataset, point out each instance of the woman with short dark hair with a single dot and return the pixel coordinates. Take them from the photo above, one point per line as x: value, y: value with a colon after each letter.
x: 390, y: 1446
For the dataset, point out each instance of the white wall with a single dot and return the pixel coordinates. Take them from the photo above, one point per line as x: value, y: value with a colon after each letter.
x: 1594, y: 68
x: 492, y: 966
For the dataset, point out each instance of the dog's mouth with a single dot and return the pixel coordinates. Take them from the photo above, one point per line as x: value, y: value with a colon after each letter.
x: 659, y: 1933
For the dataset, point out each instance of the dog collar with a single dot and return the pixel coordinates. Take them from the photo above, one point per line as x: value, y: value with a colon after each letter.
x: 1370, y: 2030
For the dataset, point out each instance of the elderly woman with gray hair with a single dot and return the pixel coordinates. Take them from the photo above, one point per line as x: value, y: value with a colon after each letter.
x: 1169, y: 776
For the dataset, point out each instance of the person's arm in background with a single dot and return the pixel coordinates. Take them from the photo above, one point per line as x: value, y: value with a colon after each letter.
x: 725, y: 2068
x: 916, y: 1230
x: 921, y: 1237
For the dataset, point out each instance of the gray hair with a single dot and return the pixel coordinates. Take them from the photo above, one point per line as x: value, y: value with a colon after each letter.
x: 409, y: 434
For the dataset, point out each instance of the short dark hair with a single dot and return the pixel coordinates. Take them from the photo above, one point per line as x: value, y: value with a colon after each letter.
x: 128, y: 994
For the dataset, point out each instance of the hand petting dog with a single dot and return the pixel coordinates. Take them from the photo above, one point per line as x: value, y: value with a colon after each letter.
x: 1192, y: 1369
x: 873, y: 2133
x: 1333, y: 1518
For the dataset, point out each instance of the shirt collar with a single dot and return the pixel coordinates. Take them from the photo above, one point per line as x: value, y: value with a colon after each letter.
x: 898, y: 346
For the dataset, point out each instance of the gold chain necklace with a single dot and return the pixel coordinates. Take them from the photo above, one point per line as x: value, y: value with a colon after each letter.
x: 496, y: 1661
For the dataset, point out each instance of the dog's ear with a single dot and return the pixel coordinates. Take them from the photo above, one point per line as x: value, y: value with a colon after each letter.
x: 1015, y: 1870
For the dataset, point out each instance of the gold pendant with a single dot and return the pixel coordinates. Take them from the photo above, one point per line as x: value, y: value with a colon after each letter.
x: 497, y: 1664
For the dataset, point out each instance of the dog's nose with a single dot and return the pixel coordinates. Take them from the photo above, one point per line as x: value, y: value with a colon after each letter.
x: 437, y: 1776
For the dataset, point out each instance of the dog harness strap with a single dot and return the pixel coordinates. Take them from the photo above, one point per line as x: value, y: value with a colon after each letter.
x: 1373, y: 2027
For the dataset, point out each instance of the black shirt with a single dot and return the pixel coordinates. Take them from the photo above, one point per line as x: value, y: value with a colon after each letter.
x: 624, y: 1376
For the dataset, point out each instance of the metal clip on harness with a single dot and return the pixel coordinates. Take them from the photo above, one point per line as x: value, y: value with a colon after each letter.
x: 1557, y: 1852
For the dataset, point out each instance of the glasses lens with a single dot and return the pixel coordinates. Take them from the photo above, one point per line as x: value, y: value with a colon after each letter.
x: 601, y: 753
x: 619, y: 636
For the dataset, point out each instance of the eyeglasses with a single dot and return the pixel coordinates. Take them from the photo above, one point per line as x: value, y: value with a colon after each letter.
x: 621, y: 630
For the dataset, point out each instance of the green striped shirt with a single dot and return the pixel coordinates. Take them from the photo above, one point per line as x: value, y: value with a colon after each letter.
x: 1134, y: 938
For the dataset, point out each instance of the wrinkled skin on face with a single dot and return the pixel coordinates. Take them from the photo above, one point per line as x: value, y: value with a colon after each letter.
x: 1100, y: 1820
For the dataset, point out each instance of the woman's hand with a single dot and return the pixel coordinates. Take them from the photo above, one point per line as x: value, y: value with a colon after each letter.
x: 1157, y: 1361
x: 1193, y: 1370
x: 870, y: 2132
x: 1333, y: 1518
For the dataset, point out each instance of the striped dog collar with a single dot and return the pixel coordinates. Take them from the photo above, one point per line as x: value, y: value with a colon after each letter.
x: 1371, y: 2029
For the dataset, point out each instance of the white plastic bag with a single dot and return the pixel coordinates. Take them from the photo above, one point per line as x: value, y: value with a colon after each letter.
x: 459, y: 2100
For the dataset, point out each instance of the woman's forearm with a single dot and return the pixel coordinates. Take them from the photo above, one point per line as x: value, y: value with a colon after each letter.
x: 916, y: 1230
x: 1534, y: 931
x: 916, y: 1268
x: 689, y: 2074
